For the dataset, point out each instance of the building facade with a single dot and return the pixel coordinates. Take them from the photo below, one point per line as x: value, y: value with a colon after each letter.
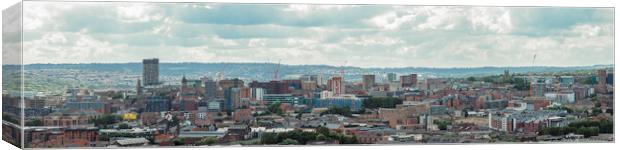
x: 151, y: 71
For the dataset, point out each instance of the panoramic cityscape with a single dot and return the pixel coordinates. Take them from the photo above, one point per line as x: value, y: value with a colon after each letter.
x: 177, y: 74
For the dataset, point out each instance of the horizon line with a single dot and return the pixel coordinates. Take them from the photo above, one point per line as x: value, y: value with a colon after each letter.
x: 348, y: 66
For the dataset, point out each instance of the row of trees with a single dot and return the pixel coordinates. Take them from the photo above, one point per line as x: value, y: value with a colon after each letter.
x: 34, y: 122
x: 561, y: 131
x: 106, y: 120
x: 605, y: 126
x: 442, y: 124
x: 10, y: 119
x: 297, y: 137
x: 585, y: 128
x: 208, y: 141
x: 275, y: 109
x: 345, y: 111
x: 381, y: 102
x: 519, y: 83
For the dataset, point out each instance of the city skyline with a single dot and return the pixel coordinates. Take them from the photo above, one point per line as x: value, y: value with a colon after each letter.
x: 137, y: 74
x: 328, y: 65
x: 298, y: 34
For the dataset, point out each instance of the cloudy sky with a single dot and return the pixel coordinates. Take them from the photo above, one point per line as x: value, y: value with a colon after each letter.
x: 361, y: 35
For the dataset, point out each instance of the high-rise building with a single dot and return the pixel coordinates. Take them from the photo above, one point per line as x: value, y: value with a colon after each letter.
x: 257, y: 94
x: 150, y: 72
x: 310, y: 78
x: 138, y: 87
x: 293, y: 84
x: 537, y: 87
x: 308, y: 86
x: 157, y: 104
x: 210, y: 89
x: 353, y: 103
x: 391, y: 77
x: 409, y: 80
x: 566, y: 81
x: 232, y: 99
x: 506, y: 74
x: 231, y: 83
x: 602, y: 76
x: 368, y: 81
x: 271, y: 87
x: 279, y: 98
x: 320, y: 80
x: 610, y: 78
x: 245, y: 93
x: 336, y: 85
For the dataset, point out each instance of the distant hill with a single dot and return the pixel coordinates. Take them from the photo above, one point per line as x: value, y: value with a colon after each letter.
x: 264, y: 71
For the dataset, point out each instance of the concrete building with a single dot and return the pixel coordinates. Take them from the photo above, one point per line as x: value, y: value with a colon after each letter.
x: 354, y: 103
x: 210, y: 89
x: 336, y: 85
x: 279, y: 98
x: 391, y: 77
x: 561, y: 97
x: 567, y: 81
x: 408, y: 81
x: 150, y: 72
x: 537, y: 87
x: 232, y: 99
x: 368, y: 81
x: 257, y: 94
x: 157, y: 104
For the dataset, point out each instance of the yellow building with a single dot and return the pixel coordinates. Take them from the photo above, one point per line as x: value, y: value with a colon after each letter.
x: 130, y: 116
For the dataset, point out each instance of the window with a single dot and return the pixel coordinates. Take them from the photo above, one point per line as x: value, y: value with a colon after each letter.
x: 201, y: 115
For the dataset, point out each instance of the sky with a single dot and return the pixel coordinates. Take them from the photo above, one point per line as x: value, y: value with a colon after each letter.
x: 297, y: 34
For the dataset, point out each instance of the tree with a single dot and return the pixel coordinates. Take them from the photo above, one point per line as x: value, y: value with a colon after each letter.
x: 606, y: 126
x: 442, y: 124
x: 345, y: 139
x: 117, y: 95
x: 471, y: 79
x: 590, y: 80
x: 301, y: 137
x: 521, y: 84
x: 298, y: 116
x: 381, y: 102
x: 10, y: 118
x: 596, y: 111
x: 178, y: 141
x: 275, y: 109
x: 124, y: 126
x: 208, y: 141
x: 35, y: 122
x: 345, y: 111
x: 289, y: 142
x: 489, y: 79
x: 106, y: 120
x: 322, y: 130
x: 465, y: 113
x: 588, y: 131
x: 269, y: 138
x: 321, y: 137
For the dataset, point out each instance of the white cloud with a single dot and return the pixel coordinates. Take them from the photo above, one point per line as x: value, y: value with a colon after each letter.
x: 57, y: 47
x: 399, y: 36
x: 589, y: 30
x: 138, y: 12
x: 492, y: 19
x: 36, y: 15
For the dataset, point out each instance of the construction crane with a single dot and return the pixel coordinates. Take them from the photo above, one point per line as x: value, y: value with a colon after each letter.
x: 530, y: 75
x: 342, y: 69
x: 275, y: 73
